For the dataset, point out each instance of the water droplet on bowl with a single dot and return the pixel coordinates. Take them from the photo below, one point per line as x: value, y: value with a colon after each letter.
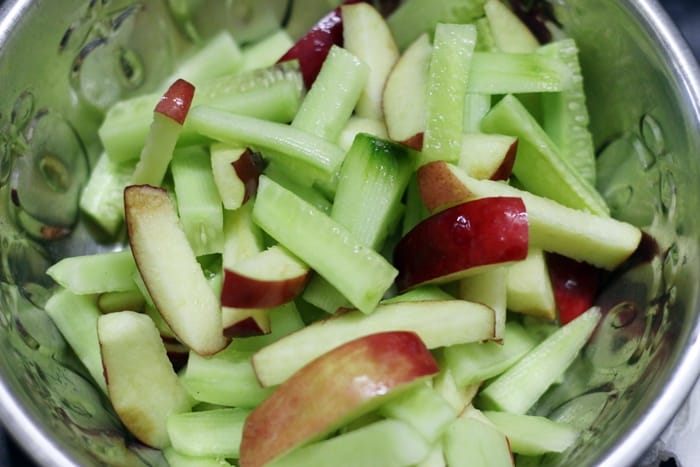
x: 652, y: 134
x: 55, y: 173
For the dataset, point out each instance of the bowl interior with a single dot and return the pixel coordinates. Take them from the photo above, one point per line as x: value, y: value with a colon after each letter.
x: 63, y: 63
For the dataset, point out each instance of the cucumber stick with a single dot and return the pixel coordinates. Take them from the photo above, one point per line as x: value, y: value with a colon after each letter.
x: 389, y: 443
x: 517, y: 389
x: 566, y: 115
x: 97, y: 273
x: 317, y: 156
x: 539, y: 166
x: 342, y: 76
x: 450, y: 63
x: 532, y: 435
x: 209, y: 433
x: 371, y: 182
x: 360, y: 273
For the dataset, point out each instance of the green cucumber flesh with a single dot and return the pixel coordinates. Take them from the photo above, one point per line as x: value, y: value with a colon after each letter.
x: 512, y: 73
x: 386, y: 443
x: 538, y: 369
x: 449, y: 72
x: 198, y: 200
x: 267, y: 51
x: 532, y: 435
x: 361, y: 274
x: 538, y: 165
x: 510, y: 34
x: 342, y: 76
x: 208, y: 433
x: 176, y: 459
x: 97, y: 273
x: 470, y: 442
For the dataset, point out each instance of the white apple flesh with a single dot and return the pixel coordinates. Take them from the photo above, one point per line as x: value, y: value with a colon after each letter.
x: 170, y: 270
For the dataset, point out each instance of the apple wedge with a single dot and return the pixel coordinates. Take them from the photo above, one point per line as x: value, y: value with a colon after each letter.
x: 488, y: 156
x: 404, y: 100
x: 367, y: 36
x: 342, y: 384
x: 141, y: 383
x: 601, y: 241
x: 270, y: 278
x: 438, y: 323
x: 236, y: 172
x: 170, y: 270
x: 168, y: 118
x: 463, y: 240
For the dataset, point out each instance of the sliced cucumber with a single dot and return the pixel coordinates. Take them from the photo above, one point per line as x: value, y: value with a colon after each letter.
x: 97, y: 273
x: 469, y: 442
x: 387, y: 443
x: 531, y: 435
x: 361, y: 274
x: 449, y: 73
x: 208, y: 433
x: 504, y: 73
x: 509, y: 33
x: 517, y: 389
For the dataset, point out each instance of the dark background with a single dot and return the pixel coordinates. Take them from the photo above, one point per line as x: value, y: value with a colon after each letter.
x: 686, y: 14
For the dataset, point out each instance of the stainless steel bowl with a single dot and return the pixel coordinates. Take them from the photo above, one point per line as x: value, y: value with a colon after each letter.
x: 62, y: 63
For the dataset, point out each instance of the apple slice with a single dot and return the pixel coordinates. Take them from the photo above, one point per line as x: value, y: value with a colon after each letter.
x: 529, y: 289
x: 438, y: 323
x: 509, y: 33
x: 245, y: 322
x: 404, y: 100
x: 488, y: 156
x: 488, y: 288
x: 575, y: 285
x: 601, y: 241
x: 342, y: 384
x: 367, y: 36
x: 141, y: 383
x: 168, y: 117
x: 170, y: 270
x: 462, y: 241
x: 236, y: 173
x: 270, y: 278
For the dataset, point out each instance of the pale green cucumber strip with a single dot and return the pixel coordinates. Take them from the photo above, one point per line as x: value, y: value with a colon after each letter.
x: 485, y: 41
x: 511, y: 73
x: 176, y: 459
x: 387, y: 443
x: 371, y: 183
x: 209, y: 433
x: 448, y: 75
x: 476, y: 106
x: 538, y: 164
x: 226, y: 378
x: 414, y: 17
x: 602, y: 241
x: 421, y: 293
x: 342, y: 76
x: 566, y: 115
x: 293, y: 143
x: 547, y: 361
x: 102, y: 198
x: 198, y: 200
x: 266, y: 51
x: 97, y: 273
x: 424, y: 409
x: 280, y: 175
x: 438, y: 323
x: 119, y: 301
x: 76, y: 317
x: 476, y: 362
x: 361, y: 274
x: 470, y: 442
x: 532, y: 435
x: 126, y: 124
x: 415, y: 209
x: 219, y: 56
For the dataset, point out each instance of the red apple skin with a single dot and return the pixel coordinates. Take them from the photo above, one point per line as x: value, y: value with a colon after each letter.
x: 505, y: 170
x: 344, y: 383
x: 245, y: 328
x: 175, y: 102
x: 477, y: 233
x: 439, y: 188
x: 312, y: 49
x: 246, y: 323
x: 414, y: 142
x: 576, y: 285
x: 248, y: 168
x: 241, y: 291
